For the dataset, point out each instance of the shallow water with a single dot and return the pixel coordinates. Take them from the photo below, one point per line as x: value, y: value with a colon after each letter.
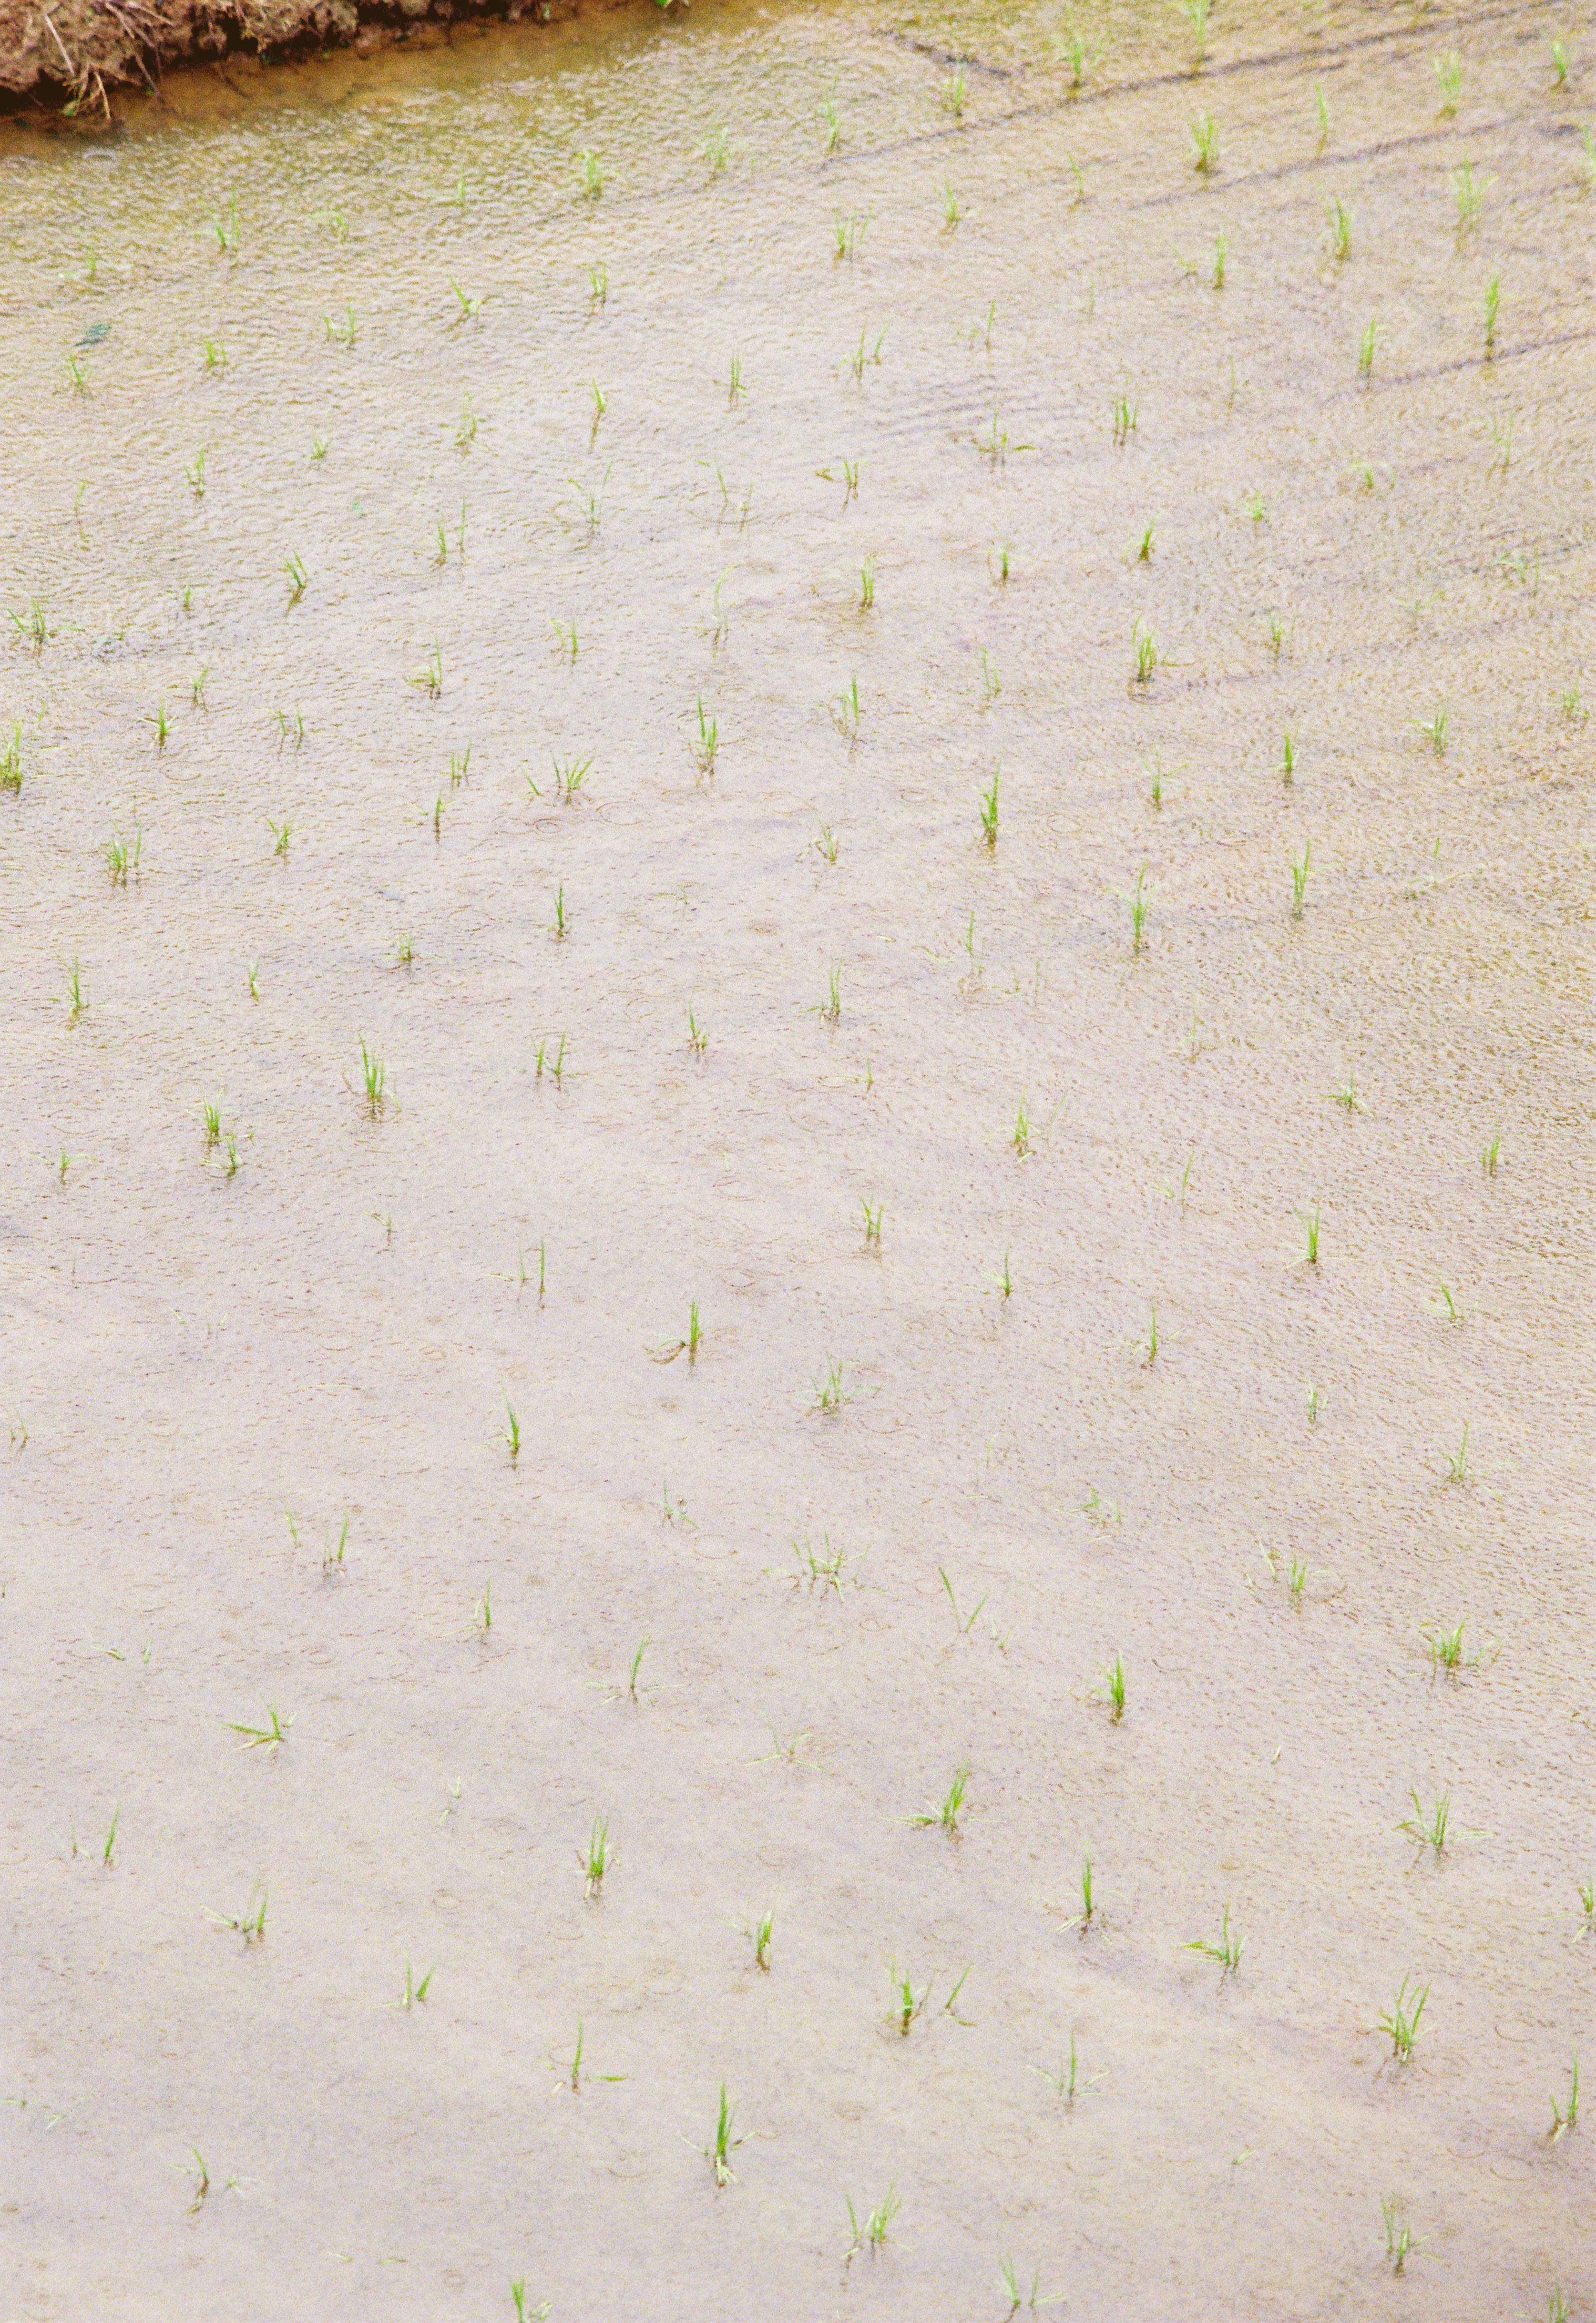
x: 966, y: 1424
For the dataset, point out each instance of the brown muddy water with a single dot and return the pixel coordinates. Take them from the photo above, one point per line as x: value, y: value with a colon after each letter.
x: 1082, y: 1400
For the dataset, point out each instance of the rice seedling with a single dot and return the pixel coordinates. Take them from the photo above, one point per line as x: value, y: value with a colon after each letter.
x: 342, y: 333
x: 1078, y: 59
x: 1428, y: 1830
x: 948, y: 1813
x: 233, y: 1165
x: 251, y: 1923
x: 962, y: 1622
x: 1316, y: 1400
x: 1155, y: 792
x: 1009, y: 2281
x: 1446, y: 1648
x: 1556, y: 2306
x: 1457, y: 1463
x: 260, y: 1737
x: 1145, y: 648
x: 1150, y: 1342
x: 1310, y: 1219
x: 1399, y: 2243
x: 826, y: 1570
x: 215, y: 355
x: 707, y: 744
x: 374, y: 1074
x: 597, y: 1859
x: 122, y: 857
x: 1195, y: 13
x: 1470, y: 195
x: 829, y: 1394
x: 829, y: 117
x: 333, y: 1552
x: 415, y: 1987
x: 1323, y: 113
x: 907, y: 2004
x: 77, y: 372
x: 698, y: 1040
x: 1020, y: 1140
x: 1116, y: 1690
x: 75, y: 1002
x: 1005, y: 1280
x: 1221, y: 249
x: 430, y: 680
x: 1401, y: 2020
x: 759, y: 1937
x: 847, y: 232
x: 858, y: 360
x: 592, y: 174
x: 298, y: 580
x: 996, y: 445
x: 634, y: 1667
x: 1205, y: 138
x: 282, y: 833
x: 468, y: 306
x: 951, y: 213
x: 827, y: 843
x: 1289, y: 759
x: 1448, y: 72
x: 1586, y: 1891
x: 1125, y: 417
x: 1573, y: 711
x: 717, y: 151
x: 1296, y: 1580
x: 955, y: 92
x: 1492, y: 1154
x: 109, y: 1848
x: 872, y: 2232
x: 10, y: 762
x: 202, y: 2177
x: 1559, y: 66
x: 1341, y: 230
x: 718, y: 2153
x: 1066, y: 2078
x: 213, y: 1126
x: 872, y: 1225
x: 163, y: 725
x: 1493, y: 304
x: 1140, y: 907
x: 866, y: 584
x: 1434, y: 730
x: 1366, y: 355
x: 1299, y: 880
x: 1225, y: 1947
x: 694, y: 1332
x: 989, y: 812
x: 832, y: 1008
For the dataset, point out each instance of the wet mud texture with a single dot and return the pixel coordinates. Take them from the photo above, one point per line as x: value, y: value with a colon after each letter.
x: 526, y: 564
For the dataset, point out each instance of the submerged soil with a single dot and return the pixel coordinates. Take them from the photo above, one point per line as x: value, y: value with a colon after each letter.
x: 441, y: 563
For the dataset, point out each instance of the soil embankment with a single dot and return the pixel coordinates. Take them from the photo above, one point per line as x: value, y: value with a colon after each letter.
x: 73, y: 56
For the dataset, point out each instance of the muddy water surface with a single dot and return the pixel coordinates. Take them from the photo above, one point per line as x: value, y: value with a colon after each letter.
x: 473, y: 654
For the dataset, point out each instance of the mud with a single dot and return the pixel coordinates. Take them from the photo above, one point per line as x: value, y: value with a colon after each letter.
x: 907, y: 1501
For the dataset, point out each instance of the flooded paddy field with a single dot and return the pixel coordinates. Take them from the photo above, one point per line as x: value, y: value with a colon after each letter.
x: 795, y: 872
